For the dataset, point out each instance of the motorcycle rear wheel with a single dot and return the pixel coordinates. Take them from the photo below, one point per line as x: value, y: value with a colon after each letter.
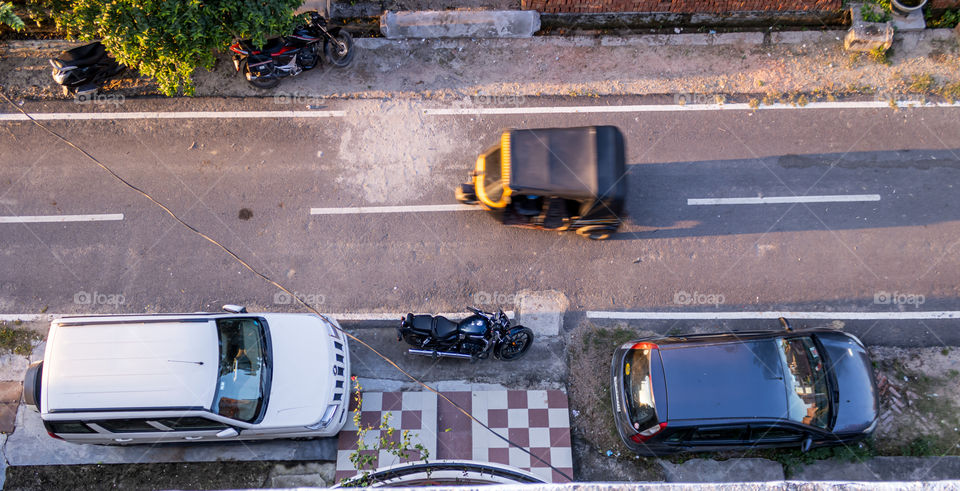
x: 260, y: 83
x: 515, y: 345
x: 339, y: 54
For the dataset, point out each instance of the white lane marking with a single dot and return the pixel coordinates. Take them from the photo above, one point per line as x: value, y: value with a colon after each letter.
x: 942, y: 314
x: 63, y: 218
x: 340, y: 317
x: 391, y: 209
x: 173, y: 115
x: 652, y: 108
x: 839, y: 198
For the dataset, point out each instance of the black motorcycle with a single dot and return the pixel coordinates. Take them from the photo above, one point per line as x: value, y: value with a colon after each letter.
x: 473, y: 338
x: 82, y: 70
x: 287, y: 56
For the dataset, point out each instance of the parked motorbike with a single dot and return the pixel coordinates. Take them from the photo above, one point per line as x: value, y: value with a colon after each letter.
x: 473, y: 338
x: 82, y: 70
x: 287, y: 56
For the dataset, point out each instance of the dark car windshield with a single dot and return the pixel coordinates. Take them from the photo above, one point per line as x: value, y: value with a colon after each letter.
x: 808, y: 397
x: 244, y: 369
x: 639, y: 392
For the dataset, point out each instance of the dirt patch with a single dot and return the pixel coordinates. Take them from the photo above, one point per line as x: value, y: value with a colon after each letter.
x: 207, y: 475
x: 502, y: 72
x: 599, y: 454
x: 919, y: 400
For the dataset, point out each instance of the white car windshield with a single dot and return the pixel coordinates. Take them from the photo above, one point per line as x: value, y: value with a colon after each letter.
x: 244, y: 369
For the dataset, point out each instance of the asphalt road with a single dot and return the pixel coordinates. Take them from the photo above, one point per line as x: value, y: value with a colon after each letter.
x: 250, y: 183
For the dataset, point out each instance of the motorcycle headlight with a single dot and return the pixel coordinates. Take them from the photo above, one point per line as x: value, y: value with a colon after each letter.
x: 327, y: 418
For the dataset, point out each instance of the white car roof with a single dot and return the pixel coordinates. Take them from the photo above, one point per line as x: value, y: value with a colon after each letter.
x: 130, y: 362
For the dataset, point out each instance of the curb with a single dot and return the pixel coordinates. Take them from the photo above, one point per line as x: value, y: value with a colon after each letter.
x: 460, y: 24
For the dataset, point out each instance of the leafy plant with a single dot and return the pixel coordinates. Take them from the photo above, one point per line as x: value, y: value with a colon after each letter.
x: 7, y: 17
x: 949, y: 18
x: 871, y: 14
x: 364, y: 457
x: 169, y: 39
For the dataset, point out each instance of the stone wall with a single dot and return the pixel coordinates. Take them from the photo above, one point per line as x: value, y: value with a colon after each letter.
x: 684, y: 6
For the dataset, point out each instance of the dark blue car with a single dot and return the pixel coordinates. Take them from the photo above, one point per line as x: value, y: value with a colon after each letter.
x: 712, y: 392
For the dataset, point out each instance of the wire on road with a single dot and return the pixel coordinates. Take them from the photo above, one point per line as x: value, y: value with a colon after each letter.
x: 277, y: 285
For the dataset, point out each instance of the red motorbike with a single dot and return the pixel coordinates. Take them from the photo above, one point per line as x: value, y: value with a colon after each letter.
x: 286, y: 56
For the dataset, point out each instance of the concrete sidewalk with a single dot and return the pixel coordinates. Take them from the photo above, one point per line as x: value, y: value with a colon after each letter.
x: 501, y: 71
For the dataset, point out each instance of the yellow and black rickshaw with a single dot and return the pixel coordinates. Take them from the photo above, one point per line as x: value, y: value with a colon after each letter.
x: 553, y: 178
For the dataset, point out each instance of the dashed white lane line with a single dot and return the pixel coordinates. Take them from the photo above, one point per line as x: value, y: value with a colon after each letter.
x: 391, y: 209
x: 839, y: 198
x: 647, y: 108
x: 173, y: 115
x: 907, y: 315
x: 355, y: 316
x: 63, y: 218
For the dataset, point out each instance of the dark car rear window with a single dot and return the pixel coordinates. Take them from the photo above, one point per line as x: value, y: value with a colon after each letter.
x: 638, y: 388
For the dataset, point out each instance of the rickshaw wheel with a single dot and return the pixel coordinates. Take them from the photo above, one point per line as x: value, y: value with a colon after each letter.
x: 594, y: 232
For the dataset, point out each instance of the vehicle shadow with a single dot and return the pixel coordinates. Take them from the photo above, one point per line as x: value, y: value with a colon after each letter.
x: 916, y: 187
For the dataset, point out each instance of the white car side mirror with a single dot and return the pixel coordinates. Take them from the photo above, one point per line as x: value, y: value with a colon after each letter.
x: 228, y: 433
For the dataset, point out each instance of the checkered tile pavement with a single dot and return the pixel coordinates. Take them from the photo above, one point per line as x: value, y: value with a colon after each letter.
x: 538, y: 420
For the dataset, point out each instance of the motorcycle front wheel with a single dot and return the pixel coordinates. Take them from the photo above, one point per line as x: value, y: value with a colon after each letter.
x: 516, y: 344
x: 258, y: 82
x: 340, y: 52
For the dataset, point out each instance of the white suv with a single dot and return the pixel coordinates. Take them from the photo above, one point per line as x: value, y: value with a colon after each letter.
x: 126, y: 379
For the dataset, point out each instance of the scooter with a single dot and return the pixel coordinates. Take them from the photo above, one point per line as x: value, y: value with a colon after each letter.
x: 287, y: 56
x: 82, y: 70
x: 473, y: 338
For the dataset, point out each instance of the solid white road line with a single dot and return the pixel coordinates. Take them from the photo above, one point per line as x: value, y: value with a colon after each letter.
x: 839, y: 198
x: 63, y: 218
x: 391, y: 209
x: 943, y: 314
x: 648, y: 108
x: 173, y: 115
x: 340, y: 317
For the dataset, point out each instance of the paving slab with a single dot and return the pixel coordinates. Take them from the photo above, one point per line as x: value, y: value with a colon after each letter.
x: 732, y: 470
x: 30, y: 445
x: 542, y: 311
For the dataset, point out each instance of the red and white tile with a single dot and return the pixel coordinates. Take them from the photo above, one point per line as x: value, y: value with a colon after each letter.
x: 537, y: 420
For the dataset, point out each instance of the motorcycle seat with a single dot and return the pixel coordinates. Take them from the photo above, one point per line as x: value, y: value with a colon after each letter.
x: 420, y: 323
x: 85, y: 55
x: 271, y: 46
x: 443, y: 327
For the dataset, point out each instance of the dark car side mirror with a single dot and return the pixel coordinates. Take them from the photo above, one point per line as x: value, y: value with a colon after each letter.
x: 807, y: 444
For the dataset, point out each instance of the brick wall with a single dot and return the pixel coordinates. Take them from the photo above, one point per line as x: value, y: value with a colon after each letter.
x: 944, y: 4
x: 684, y: 6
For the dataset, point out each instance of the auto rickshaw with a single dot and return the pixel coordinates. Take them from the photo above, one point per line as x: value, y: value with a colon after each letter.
x: 554, y: 179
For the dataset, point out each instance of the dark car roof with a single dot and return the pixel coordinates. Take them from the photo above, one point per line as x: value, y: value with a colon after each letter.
x: 724, y: 380
x: 574, y: 163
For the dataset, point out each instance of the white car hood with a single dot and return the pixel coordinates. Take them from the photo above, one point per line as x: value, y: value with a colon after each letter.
x: 302, y: 382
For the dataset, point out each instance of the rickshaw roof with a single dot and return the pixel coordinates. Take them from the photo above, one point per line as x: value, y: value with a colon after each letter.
x: 574, y: 163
